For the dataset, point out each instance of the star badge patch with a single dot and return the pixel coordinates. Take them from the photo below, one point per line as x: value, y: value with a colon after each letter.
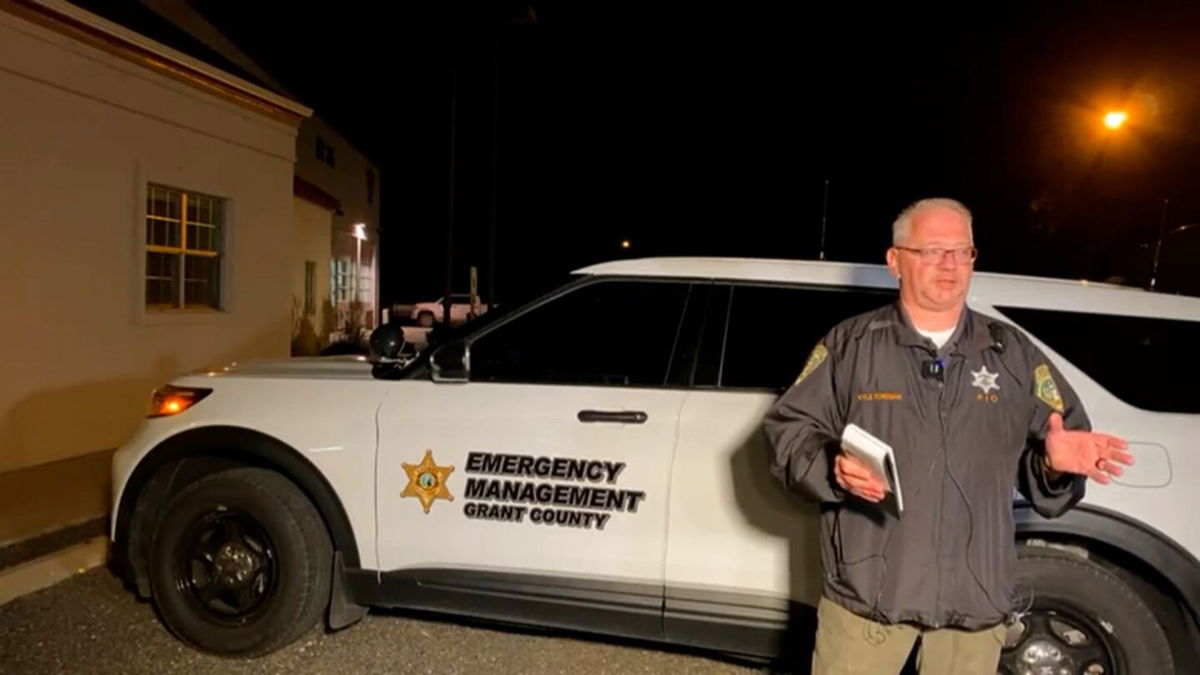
x: 985, y: 380
x: 427, y: 481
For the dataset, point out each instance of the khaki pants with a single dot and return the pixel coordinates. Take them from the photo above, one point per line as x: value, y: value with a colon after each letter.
x: 848, y: 644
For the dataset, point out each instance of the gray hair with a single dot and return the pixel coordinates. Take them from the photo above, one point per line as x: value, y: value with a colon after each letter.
x: 903, y: 224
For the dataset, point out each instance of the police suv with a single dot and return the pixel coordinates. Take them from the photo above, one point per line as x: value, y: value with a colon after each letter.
x: 594, y: 461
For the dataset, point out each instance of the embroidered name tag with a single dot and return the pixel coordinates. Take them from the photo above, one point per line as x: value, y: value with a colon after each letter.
x: 880, y: 396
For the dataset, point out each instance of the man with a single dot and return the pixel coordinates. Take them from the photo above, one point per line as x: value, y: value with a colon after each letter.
x: 972, y: 409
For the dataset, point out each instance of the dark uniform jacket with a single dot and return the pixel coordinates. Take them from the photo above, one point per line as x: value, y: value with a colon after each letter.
x: 963, y: 441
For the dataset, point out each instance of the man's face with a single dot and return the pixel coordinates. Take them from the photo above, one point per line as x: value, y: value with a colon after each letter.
x: 939, y: 285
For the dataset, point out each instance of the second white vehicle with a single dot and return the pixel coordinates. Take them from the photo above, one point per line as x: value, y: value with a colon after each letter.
x: 461, y: 310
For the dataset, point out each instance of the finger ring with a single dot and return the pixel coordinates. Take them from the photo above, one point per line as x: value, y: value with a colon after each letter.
x: 1100, y: 464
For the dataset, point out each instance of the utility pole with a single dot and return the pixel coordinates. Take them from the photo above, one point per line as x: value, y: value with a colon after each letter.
x: 824, y: 213
x: 1162, y: 225
x: 449, y: 285
x: 497, y: 38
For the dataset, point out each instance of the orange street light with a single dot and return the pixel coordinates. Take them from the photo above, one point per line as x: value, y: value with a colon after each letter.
x: 625, y: 243
x: 1115, y: 119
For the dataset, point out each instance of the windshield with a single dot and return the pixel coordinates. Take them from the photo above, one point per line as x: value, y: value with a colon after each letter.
x: 441, y: 334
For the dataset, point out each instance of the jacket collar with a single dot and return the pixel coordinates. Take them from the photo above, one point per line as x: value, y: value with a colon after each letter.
x: 970, y: 335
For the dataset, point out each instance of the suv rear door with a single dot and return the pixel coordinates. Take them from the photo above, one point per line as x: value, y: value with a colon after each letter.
x: 742, y: 556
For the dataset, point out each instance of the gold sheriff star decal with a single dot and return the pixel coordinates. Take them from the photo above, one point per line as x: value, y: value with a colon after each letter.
x: 427, y: 481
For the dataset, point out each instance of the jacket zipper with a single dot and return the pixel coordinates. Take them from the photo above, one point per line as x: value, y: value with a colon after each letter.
x: 937, y: 546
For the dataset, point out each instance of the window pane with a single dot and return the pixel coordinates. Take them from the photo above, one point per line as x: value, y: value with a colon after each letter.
x: 162, y: 278
x: 612, y: 332
x: 200, y: 287
x: 310, y: 285
x: 772, y: 329
x: 1126, y: 355
x: 156, y: 202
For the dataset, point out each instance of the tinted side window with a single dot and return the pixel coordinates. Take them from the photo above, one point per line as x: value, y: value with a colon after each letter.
x: 1149, y: 363
x: 605, y: 333
x: 772, y: 329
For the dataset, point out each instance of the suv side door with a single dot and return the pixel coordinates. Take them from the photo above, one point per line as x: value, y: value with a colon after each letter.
x: 543, y: 479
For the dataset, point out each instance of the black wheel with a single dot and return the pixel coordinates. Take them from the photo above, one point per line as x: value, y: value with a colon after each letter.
x: 241, y: 563
x: 425, y: 319
x: 1082, y: 620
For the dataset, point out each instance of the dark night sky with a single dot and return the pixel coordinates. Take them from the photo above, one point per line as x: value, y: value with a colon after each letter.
x: 711, y: 132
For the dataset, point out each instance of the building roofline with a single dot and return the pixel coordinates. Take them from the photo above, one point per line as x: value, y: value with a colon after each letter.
x: 79, y: 24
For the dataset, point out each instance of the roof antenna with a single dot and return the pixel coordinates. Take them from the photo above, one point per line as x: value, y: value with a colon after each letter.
x: 824, y: 213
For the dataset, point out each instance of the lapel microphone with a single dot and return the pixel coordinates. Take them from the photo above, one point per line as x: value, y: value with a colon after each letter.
x: 934, y: 369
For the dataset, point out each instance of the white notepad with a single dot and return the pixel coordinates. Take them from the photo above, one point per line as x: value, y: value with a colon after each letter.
x: 877, y: 455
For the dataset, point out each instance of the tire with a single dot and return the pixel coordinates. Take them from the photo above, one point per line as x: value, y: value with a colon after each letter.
x: 1081, y: 616
x: 241, y: 563
x: 1173, y: 617
x: 425, y: 319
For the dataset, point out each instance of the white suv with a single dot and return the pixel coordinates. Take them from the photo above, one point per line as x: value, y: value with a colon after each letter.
x: 552, y: 466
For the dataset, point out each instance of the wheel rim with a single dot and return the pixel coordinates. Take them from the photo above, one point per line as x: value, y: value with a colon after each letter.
x: 1055, y: 638
x: 227, y: 567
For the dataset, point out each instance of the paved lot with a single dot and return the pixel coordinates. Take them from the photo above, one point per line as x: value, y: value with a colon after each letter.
x: 91, y: 624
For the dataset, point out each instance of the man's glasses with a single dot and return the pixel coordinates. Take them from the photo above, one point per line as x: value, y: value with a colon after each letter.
x: 934, y: 255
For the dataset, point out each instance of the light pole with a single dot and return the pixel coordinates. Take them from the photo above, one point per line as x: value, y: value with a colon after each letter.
x: 360, y: 233
x: 1161, y: 236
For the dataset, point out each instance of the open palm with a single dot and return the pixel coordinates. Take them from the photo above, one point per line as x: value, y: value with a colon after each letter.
x: 1089, y: 453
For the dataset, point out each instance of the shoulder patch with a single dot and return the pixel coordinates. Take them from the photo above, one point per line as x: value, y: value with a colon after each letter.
x: 815, y: 359
x: 1046, y: 389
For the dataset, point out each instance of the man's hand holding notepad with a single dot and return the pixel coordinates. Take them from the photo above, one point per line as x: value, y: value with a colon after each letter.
x: 868, y: 467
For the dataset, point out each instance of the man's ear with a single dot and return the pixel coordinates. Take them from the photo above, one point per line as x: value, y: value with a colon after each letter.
x: 893, y: 262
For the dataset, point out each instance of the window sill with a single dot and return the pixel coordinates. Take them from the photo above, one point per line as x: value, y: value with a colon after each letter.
x: 183, y: 317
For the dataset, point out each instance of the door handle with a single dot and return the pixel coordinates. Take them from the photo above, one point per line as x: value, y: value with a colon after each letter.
x: 622, y: 416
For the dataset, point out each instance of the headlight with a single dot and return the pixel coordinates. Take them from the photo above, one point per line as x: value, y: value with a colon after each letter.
x: 172, y: 400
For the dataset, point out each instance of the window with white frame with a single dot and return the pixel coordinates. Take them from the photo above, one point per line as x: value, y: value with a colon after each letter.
x: 366, y: 278
x: 183, y: 249
x: 341, y: 276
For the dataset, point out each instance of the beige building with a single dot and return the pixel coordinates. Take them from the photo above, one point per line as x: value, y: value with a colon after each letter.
x: 328, y: 162
x: 148, y: 217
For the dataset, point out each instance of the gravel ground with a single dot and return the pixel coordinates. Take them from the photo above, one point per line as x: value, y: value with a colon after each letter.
x: 92, y: 624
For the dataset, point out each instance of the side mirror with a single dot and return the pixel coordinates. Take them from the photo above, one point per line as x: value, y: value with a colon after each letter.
x: 387, y: 345
x: 451, y: 362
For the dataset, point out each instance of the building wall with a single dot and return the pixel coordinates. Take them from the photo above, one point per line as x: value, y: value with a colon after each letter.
x: 81, y: 134
x: 311, y: 233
